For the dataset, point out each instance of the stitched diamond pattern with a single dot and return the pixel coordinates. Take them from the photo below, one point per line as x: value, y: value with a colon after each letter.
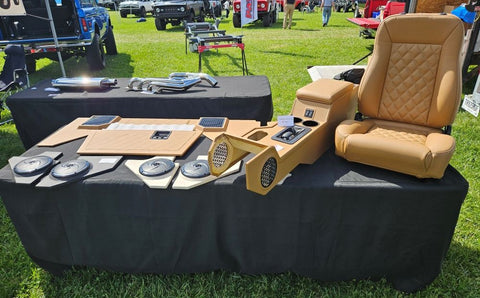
x: 400, y: 135
x: 409, y: 83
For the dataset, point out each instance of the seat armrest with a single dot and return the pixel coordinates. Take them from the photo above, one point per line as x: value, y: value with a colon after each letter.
x: 325, y: 91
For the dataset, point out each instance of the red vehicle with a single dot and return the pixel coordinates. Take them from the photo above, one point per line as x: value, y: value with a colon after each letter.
x: 266, y: 9
x: 299, y: 4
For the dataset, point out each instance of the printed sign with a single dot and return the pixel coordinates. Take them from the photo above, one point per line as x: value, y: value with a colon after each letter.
x: 248, y: 11
x: 12, y: 8
x: 471, y: 105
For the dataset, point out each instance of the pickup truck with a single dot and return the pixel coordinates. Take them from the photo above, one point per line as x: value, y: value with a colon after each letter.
x: 140, y: 8
x: 83, y: 29
x: 175, y: 11
x: 266, y: 11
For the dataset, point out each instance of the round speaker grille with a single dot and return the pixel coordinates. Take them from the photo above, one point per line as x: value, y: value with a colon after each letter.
x: 220, y: 155
x: 71, y: 168
x: 156, y: 167
x: 196, y: 169
x: 33, y: 165
x: 268, y: 173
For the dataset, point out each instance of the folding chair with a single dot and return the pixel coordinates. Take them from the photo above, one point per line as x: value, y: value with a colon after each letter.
x: 14, y: 75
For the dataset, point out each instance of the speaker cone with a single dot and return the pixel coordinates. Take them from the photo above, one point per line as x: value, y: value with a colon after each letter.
x: 196, y: 169
x: 33, y: 165
x: 156, y: 167
x: 70, y: 168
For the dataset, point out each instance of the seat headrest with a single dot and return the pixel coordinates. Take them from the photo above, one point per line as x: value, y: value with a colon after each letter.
x: 425, y: 28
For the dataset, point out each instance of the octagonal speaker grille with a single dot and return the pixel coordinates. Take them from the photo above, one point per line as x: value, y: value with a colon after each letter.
x: 269, y: 171
x: 220, y: 155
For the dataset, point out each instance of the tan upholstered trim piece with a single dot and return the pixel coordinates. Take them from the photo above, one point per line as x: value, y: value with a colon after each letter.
x: 324, y: 90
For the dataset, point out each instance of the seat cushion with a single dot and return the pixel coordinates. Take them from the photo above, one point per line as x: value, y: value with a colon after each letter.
x: 410, y: 149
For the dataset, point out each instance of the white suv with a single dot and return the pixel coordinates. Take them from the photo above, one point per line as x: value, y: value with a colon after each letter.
x: 140, y: 8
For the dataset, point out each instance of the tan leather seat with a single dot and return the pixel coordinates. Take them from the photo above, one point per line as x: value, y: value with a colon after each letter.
x: 409, y: 94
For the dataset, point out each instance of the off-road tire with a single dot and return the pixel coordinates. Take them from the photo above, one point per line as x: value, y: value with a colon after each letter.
x: 267, y: 20
x: 123, y: 14
x: 110, y: 44
x: 160, y: 24
x: 95, y: 54
x: 191, y: 17
x: 143, y: 12
x: 237, y: 22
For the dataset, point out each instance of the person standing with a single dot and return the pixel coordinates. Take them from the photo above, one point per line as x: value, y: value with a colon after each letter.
x: 288, y: 8
x: 326, y: 7
x: 226, y: 7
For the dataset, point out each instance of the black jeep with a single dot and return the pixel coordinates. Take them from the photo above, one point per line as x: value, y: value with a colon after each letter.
x: 175, y: 11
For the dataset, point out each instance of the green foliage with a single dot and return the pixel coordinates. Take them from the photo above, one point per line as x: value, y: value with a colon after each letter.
x: 283, y: 56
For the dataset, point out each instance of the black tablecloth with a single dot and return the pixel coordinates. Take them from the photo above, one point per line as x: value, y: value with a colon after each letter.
x: 37, y: 113
x: 332, y: 220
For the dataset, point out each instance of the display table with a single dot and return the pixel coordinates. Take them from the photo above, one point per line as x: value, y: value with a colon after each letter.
x: 38, y: 113
x: 333, y: 220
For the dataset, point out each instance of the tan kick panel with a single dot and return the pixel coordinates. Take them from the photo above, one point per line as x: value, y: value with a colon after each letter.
x: 66, y: 134
x: 138, y: 142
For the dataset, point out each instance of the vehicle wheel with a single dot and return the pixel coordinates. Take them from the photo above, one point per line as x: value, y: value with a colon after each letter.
x: 31, y: 65
x: 274, y: 17
x: 143, y: 13
x: 110, y: 44
x: 237, y: 22
x: 191, y: 17
x: 266, y: 20
x: 160, y: 24
x: 95, y: 54
x: 300, y: 7
x: 337, y: 8
x: 123, y: 14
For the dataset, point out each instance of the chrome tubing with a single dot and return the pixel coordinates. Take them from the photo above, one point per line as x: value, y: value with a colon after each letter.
x: 172, y: 85
x: 137, y: 84
x: 84, y: 82
x: 189, y: 75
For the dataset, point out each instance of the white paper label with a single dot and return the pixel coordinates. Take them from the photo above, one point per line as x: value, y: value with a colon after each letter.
x: 285, y: 121
x: 471, y: 105
x: 108, y: 160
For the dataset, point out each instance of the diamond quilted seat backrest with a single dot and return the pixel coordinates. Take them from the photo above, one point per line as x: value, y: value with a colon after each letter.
x: 414, y: 75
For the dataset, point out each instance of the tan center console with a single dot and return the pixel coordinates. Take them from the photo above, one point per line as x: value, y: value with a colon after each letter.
x: 318, y: 108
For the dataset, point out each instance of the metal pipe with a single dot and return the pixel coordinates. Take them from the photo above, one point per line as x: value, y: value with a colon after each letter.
x: 55, y: 37
x: 203, y: 76
x: 173, y: 85
x: 84, y: 82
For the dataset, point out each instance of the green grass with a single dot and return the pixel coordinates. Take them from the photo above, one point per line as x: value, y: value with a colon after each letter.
x: 283, y: 56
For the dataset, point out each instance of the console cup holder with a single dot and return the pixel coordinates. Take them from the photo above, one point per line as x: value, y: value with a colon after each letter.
x: 310, y: 123
x: 297, y: 119
x: 257, y: 136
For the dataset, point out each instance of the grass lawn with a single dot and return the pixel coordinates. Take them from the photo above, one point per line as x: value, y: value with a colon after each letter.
x: 283, y: 56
